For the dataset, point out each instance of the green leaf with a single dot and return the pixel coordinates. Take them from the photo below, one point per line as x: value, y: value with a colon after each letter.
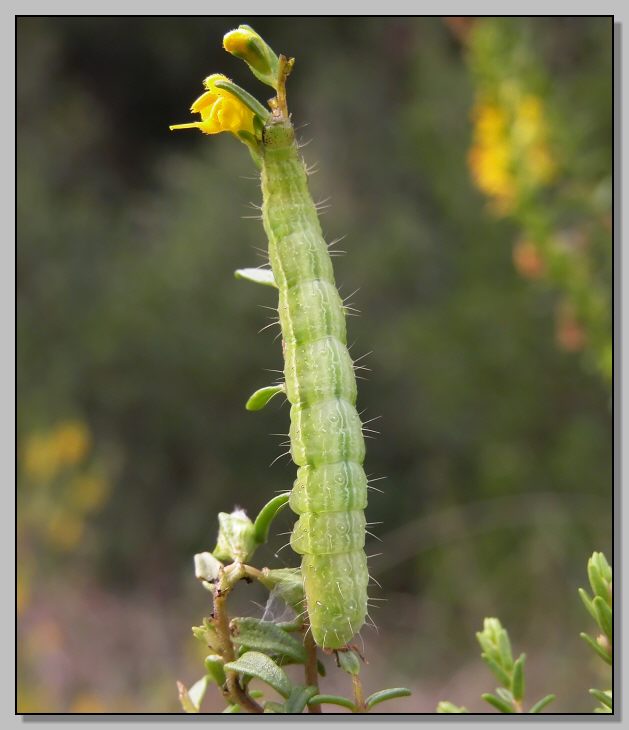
x: 190, y: 699
x: 247, y: 99
x: 258, y: 276
x: 597, y: 569
x: 258, y: 400
x: 446, y: 707
x: 386, y: 694
x: 274, y: 708
x: 266, y: 637
x: 604, y: 615
x: 288, y: 585
x: 517, y: 678
x: 587, y: 602
x: 489, y: 639
x: 597, y: 648
x: 207, y: 567
x: 498, y: 671
x: 266, y: 516
x: 231, y: 710
x: 255, y: 664
x: 505, y: 694
x: 504, y: 645
x: 540, y: 704
x: 605, y: 698
x: 331, y: 700
x: 499, y: 704
x: 197, y: 691
x: 215, y: 670
x: 349, y: 662
x: 298, y: 699
x: 207, y: 634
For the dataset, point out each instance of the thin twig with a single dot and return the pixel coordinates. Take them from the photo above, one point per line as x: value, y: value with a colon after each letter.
x: 312, y: 675
x: 359, y: 700
x: 235, y: 692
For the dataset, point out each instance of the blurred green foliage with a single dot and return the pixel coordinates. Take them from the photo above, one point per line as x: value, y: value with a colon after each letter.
x: 495, y: 441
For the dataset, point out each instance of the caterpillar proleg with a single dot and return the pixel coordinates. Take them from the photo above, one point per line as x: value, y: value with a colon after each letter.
x: 326, y: 437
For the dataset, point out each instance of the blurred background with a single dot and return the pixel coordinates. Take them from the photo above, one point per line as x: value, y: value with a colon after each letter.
x: 469, y: 165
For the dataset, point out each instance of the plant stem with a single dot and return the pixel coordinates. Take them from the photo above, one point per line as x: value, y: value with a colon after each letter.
x: 517, y: 706
x: 235, y: 692
x: 359, y: 700
x: 312, y: 675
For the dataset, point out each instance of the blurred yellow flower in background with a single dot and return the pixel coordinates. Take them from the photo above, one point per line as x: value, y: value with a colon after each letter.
x: 509, y: 153
x: 489, y: 157
x: 45, y: 454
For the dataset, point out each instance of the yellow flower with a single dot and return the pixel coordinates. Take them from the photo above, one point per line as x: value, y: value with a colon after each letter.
x: 45, y: 455
x: 72, y: 442
x: 40, y: 460
x: 237, y: 41
x: 489, y: 157
x: 220, y: 111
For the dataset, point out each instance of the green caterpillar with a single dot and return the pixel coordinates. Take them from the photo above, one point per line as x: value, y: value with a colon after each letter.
x: 327, y: 443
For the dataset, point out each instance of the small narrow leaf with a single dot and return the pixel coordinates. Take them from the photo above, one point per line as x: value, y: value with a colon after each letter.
x: 197, y: 691
x: 517, y: 678
x: 298, y: 699
x: 274, y: 708
x: 331, y: 700
x: 215, y: 670
x: 505, y: 694
x: 349, y: 662
x: 207, y: 634
x: 597, y: 648
x: 386, y: 694
x: 191, y: 699
x: 599, y: 586
x: 587, y: 602
x: 605, y: 698
x: 258, y: 276
x: 498, y: 671
x: 540, y: 704
x: 604, y: 615
x: 499, y: 704
x: 445, y: 707
x: 266, y: 637
x: 261, y: 397
x: 504, y: 646
x: 255, y: 664
x: 266, y: 516
x: 231, y: 710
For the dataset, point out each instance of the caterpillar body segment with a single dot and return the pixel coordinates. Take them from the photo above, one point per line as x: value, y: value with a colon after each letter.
x: 330, y: 492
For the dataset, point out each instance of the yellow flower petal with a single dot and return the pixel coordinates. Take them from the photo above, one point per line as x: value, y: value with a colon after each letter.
x: 220, y: 111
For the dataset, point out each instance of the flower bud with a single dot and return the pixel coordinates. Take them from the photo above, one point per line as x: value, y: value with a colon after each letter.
x: 236, y: 537
x: 246, y: 44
